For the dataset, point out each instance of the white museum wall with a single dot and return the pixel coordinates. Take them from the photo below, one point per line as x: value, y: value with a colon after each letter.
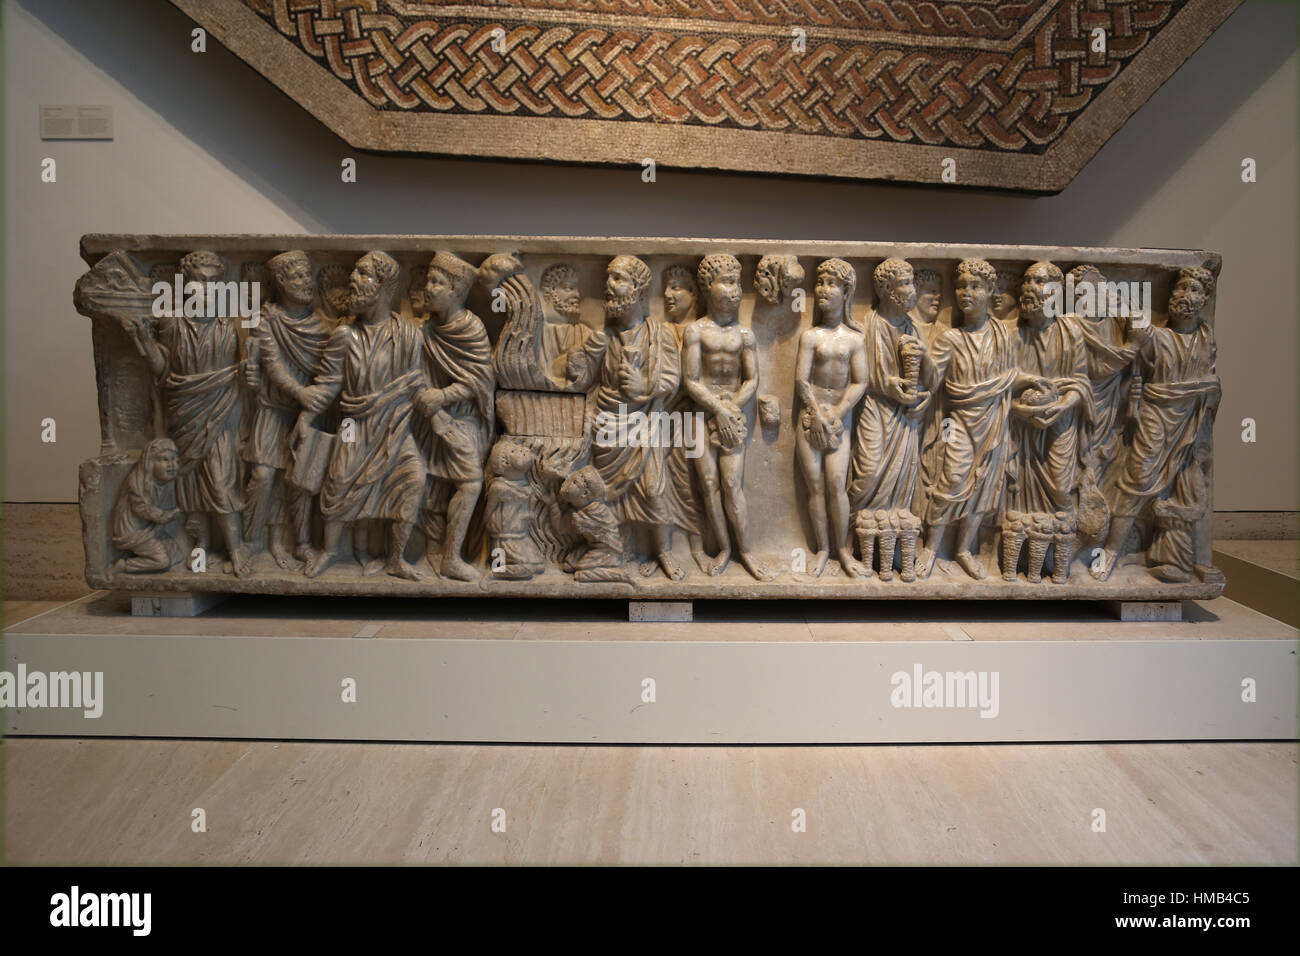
x: 203, y: 144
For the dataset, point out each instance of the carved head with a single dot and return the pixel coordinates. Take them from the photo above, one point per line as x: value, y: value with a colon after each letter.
x: 560, y: 290
x: 1040, y: 280
x: 160, y: 460
x: 1088, y: 276
x: 203, y: 266
x: 895, y: 284
x: 975, y: 282
x: 582, y: 487
x: 332, y: 287
x: 291, y: 272
x: 776, y: 276
x: 680, y: 293
x: 449, y: 281
x: 1191, y: 292
x: 627, y: 287
x: 929, y: 294
x: 511, y: 459
x: 836, y: 280
x: 373, y: 278
x: 719, y: 277
x: 1004, y: 293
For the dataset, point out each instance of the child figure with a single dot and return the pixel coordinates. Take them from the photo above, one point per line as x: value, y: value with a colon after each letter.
x: 509, y: 515
x: 145, y: 518
x: 602, y: 560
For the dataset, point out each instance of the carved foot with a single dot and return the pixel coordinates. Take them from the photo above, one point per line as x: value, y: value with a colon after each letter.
x: 971, y: 565
x: 759, y: 571
x: 819, y: 563
x: 240, y: 563
x: 284, y: 560
x: 457, y: 569
x: 116, y: 568
x: 718, y: 563
x: 373, y: 566
x: 1210, y: 574
x: 302, y: 552
x: 513, y: 572
x: 1170, y: 573
x: 317, y: 562
x: 404, y: 569
x: 647, y: 568
x: 701, y: 559
x: 672, y: 569
x: 924, y: 562
x: 853, y: 568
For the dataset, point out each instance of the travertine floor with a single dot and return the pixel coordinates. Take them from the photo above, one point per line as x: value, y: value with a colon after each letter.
x: 132, y: 801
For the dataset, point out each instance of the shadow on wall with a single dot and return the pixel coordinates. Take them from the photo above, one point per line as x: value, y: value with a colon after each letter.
x: 230, y: 111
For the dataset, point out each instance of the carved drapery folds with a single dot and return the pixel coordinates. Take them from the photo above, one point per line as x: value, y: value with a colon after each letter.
x: 528, y: 416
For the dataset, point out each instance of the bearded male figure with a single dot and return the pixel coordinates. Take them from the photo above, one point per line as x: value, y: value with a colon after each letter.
x: 376, y: 370
x: 639, y: 373
x: 1180, y: 398
x: 196, y: 361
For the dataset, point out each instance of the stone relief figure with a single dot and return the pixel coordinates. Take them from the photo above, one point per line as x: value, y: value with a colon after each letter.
x: 830, y: 377
x: 1049, y: 418
x: 640, y: 372
x: 680, y: 298
x: 887, y: 443
x: 776, y: 277
x: 1110, y: 363
x: 508, y: 516
x: 196, y: 360
x: 1004, y: 295
x: 565, y: 337
x: 1172, y: 555
x: 458, y: 408
x: 146, y: 519
x: 720, y: 371
x: 285, y: 349
x: 929, y: 300
x: 1179, y: 400
x: 375, y: 367
x: 600, y: 559
x: 976, y: 363
x: 332, y: 290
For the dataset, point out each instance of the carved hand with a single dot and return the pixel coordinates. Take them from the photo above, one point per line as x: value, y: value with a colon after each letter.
x: 315, y: 398
x: 631, y: 381
x: 901, y: 391
x: 252, y: 376
x: 429, y: 401
x: 575, y: 366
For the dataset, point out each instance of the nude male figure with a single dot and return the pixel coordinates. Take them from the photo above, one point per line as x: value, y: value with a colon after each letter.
x: 720, y: 372
x: 830, y: 378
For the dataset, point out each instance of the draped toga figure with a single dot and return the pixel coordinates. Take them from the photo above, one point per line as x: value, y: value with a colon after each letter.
x: 379, y: 474
x: 640, y: 371
x: 1180, y: 397
x: 196, y: 361
x: 976, y: 363
x: 892, y: 418
x: 286, y: 348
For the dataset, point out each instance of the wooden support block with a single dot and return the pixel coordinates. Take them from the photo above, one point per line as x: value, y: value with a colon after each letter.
x: 174, y: 604
x: 1147, y: 610
x: 661, y: 612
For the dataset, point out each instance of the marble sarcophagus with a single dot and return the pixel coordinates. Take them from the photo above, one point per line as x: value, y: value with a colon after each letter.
x: 660, y: 419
